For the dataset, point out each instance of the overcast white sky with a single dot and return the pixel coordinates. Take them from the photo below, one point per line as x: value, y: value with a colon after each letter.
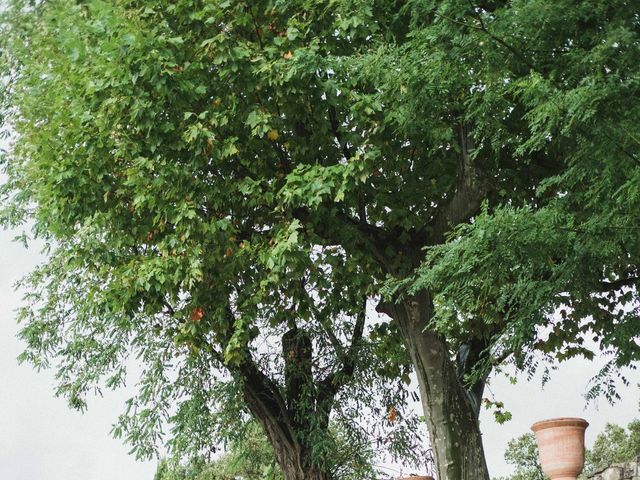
x: 41, y: 439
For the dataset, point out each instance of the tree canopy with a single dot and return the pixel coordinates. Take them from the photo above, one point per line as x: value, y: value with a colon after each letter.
x: 211, y: 176
x: 168, y: 254
x: 553, y: 268
x: 615, y: 444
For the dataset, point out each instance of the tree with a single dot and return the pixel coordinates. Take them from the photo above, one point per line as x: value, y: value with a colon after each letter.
x: 228, y: 304
x: 478, y: 160
x: 522, y: 452
x: 615, y: 445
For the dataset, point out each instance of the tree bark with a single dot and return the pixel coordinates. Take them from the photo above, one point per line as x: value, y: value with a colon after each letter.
x: 294, y: 459
x: 287, y: 417
x: 452, y: 416
x: 295, y: 464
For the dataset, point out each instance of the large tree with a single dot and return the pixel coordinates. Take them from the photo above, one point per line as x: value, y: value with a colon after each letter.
x: 230, y: 306
x: 212, y: 155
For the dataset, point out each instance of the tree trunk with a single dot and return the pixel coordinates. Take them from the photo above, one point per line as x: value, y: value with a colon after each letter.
x: 451, y: 415
x: 296, y: 465
x: 283, y: 419
x: 293, y: 458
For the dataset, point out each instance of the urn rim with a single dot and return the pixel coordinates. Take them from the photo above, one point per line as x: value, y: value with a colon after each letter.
x: 560, y: 422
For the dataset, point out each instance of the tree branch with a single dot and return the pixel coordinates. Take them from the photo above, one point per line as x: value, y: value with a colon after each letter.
x: 261, y: 393
x: 332, y: 384
x: 264, y: 398
x: 467, y: 197
x: 615, y: 285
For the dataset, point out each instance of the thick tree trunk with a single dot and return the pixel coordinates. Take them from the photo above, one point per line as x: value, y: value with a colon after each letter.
x: 450, y: 412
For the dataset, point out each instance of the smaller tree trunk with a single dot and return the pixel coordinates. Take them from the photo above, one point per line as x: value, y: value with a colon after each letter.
x: 286, y: 417
x: 293, y: 458
x: 295, y: 464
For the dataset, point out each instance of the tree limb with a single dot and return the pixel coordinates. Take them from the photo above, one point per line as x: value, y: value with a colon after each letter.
x: 615, y: 285
x: 467, y: 197
x: 330, y: 386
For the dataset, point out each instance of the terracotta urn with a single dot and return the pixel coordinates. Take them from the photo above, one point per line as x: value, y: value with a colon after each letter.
x: 561, y: 446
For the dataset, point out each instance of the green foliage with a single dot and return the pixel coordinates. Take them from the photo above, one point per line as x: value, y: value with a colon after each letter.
x: 249, y: 458
x: 210, y: 176
x: 615, y: 445
x: 252, y: 457
x: 163, y: 151
x: 550, y: 269
x: 499, y: 413
x: 522, y: 453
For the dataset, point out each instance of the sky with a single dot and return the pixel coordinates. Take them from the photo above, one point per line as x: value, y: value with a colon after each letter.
x: 42, y: 439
